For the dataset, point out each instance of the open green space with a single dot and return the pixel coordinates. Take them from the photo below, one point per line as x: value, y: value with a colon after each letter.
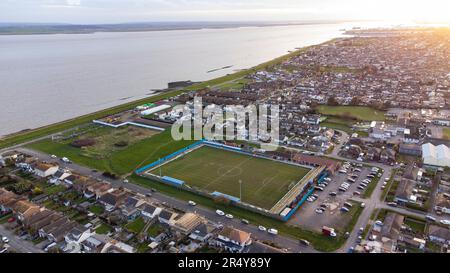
x: 351, y: 112
x: 136, y: 226
x: 446, y: 133
x: 121, y: 161
x: 103, y: 229
x: 415, y: 225
x: 342, y: 125
x: 263, y: 182
x: 97, y: 209
x: 154, y: 230
x: 318, y: 241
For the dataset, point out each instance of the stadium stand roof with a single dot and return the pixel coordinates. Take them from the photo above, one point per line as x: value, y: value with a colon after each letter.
x: 172, y: 181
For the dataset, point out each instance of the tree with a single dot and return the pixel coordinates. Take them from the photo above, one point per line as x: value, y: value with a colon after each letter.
x: 354, y: 101
x: 332, y: 101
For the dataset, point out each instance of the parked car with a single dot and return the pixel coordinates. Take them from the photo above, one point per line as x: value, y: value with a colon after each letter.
x: 262, y: 228
x: 229, y: 216
x: 304, y: 242
x: 319, y: 210
x: 244, y: 221
x: 272, y: 231
x: 445, y: 222
x: 344, y: 209
x: 333, y: 193
x: 220, y: 213
x: 356, y: 193
x: 430, y: 218
x: 392, y: 204
x: 192, y: 203
x: 5, y: 239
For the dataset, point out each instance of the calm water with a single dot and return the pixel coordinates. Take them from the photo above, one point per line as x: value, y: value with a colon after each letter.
x: 50, y: 78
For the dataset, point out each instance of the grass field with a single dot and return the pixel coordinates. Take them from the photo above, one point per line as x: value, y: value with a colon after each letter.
x: 355, y: 112
x: 446, y: 133
x: 264, y: 181
x: 121, y: 161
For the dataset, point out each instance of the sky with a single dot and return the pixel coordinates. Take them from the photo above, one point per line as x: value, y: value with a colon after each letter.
x: 121, y: 11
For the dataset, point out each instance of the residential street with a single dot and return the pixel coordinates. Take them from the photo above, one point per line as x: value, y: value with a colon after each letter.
x: 285, y: 242
x: 18, y: 244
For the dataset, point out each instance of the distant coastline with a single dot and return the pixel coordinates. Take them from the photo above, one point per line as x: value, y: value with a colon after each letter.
x: 43, y: 29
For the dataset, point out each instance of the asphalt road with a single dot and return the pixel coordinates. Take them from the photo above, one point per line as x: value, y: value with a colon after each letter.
x: 18, y: 244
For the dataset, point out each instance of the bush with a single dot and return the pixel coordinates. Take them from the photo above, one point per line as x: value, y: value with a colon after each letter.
x: 86, y: 142
x: 220, y: 200
x: 122, y: 143
x: 110, y: 175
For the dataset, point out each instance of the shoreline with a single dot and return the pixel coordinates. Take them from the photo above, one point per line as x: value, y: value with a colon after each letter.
x: 17, y: 30
x: 28, y: 135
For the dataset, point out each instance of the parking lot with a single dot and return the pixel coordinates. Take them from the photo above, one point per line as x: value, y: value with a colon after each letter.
x: 327, y: 210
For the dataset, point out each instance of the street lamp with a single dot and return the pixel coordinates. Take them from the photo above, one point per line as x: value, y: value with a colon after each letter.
x: 240, y: 190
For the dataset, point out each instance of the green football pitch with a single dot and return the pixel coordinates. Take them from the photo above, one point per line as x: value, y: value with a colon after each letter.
x: 264, y: 181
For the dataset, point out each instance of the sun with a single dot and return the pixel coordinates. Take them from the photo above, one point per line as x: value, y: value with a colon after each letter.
x: 414, y: 10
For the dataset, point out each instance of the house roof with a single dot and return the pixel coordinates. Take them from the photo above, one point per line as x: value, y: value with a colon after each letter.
x: 235, y: 234
x: 44, y: 166
x: 22, y: 206
x: 188, y: 221
x: 150, y: 209
x: 392, y: 225
x: 440, y: 232
x: 165, y: 214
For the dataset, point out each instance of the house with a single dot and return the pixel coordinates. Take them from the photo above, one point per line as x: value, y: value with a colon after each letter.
x: 77, y: 234
x: 70, y: 180
x: 149, y: 211
x: 167, y: 217
x: 7, y: 200
x: 45, y: 170
x: 94, y: 243
x: 373, y: 153
x: 130, y: 207
x: 411, y: 172
x: 439, y: 234
x: 58, y: 234
x: 97, y: 189
x: 56, y: 230
x: 392, y: 225
x: 43, y: 214
x: 233, y: 240
x: 24, y: 209
x: 387, y: 155
x: 202, y: 233
x: 61, y: 175
x: 82, y: 183
x: 404, y: 191
x: 46, y: 218
x: 188, y: 222
x: 114, y: 246
x: 112, y: 200
x: 410, y: 149
x: 259, y: 247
